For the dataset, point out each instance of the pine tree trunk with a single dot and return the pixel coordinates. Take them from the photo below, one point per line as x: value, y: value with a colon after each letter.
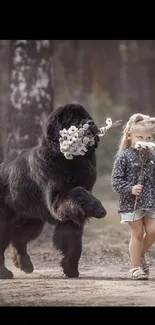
x: 4, y: 94
x: 31, y: 92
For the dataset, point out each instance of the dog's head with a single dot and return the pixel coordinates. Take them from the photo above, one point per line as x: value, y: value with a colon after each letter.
x: 64, y: 117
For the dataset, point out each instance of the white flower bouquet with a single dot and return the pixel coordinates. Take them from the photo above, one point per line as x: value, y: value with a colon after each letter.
x: 144, y: 148
x: 76, y: 141
x: 145, y: 145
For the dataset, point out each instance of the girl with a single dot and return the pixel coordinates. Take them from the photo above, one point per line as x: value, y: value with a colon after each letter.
x: 125, y: 182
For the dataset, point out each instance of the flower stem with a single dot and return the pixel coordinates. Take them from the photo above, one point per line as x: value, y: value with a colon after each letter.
x: 140, y: 181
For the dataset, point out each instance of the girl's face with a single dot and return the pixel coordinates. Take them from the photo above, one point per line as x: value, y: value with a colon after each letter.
x: 140, y: 133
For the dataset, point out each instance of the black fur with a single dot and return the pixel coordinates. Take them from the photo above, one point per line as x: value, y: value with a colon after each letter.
x: 40, y: 185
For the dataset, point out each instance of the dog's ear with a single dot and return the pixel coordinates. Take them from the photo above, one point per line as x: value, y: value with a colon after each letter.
x: 51, y: 128
x: 50, y: 131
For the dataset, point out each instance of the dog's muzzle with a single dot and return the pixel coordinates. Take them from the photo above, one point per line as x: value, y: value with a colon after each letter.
x: 92, y: 127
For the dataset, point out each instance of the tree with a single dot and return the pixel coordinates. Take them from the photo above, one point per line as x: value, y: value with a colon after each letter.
x: 4, y: 94
x: 31, y: 92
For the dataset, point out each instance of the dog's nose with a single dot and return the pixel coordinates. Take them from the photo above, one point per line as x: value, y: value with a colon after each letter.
x: 92, y: 127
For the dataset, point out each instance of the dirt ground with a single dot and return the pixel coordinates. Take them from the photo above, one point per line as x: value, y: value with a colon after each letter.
x: 104, y: 278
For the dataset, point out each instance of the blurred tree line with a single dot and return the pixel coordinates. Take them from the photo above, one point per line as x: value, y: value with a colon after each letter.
x: 111, y: 78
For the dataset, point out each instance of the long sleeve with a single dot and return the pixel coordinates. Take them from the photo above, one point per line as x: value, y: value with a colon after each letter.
x: 153, y: 163
x: 118, y: 178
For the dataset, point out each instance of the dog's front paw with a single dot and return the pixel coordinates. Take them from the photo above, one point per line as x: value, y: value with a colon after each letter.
x: 99, y: 211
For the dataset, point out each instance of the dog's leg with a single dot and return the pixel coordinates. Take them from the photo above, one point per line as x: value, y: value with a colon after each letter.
x: 91, y: 206
x: 65, y: 208
x: 77, y: 205
x: 68, y: 239
x: 22, y: 235
x: 5, y: 238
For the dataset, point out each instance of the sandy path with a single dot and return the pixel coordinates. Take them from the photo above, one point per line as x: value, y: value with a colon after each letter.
x: 49, y: 288
x: 104, y: 279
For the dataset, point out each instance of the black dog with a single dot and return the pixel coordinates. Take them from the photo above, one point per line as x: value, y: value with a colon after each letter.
x: 40, y: 185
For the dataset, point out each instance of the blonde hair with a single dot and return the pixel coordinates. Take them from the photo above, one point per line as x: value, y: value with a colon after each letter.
x: 135, y: 119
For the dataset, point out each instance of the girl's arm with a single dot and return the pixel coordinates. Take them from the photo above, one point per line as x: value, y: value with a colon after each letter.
x: 118, y: 178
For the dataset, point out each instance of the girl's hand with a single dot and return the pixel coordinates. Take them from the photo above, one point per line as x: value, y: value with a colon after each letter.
x: 137, y: 189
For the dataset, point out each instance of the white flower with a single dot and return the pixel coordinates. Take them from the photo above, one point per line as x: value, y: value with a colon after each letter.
x: 81, y: 132
x: 109, y: 122
x: 63, y: 132
x: 64, y: 143
x: 83, y: 148
x: 75, y: 151
x: 64, y: 146
x: 152, y: 145
x: 76, y: 135
x: 138, y: 145
x: 144, y: 145
x: 91, y: 142
x: 86, y: 126
x: 81, y: 153
x: 72, y: 129
x: 61, y: 140
x: 75, y: 139
x: 68, y: 155
x: 70, y: 140
x: 85, y: 140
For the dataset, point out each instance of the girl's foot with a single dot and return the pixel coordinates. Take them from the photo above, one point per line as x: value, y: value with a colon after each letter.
x: 145, y: 266
x: 138, y: 274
